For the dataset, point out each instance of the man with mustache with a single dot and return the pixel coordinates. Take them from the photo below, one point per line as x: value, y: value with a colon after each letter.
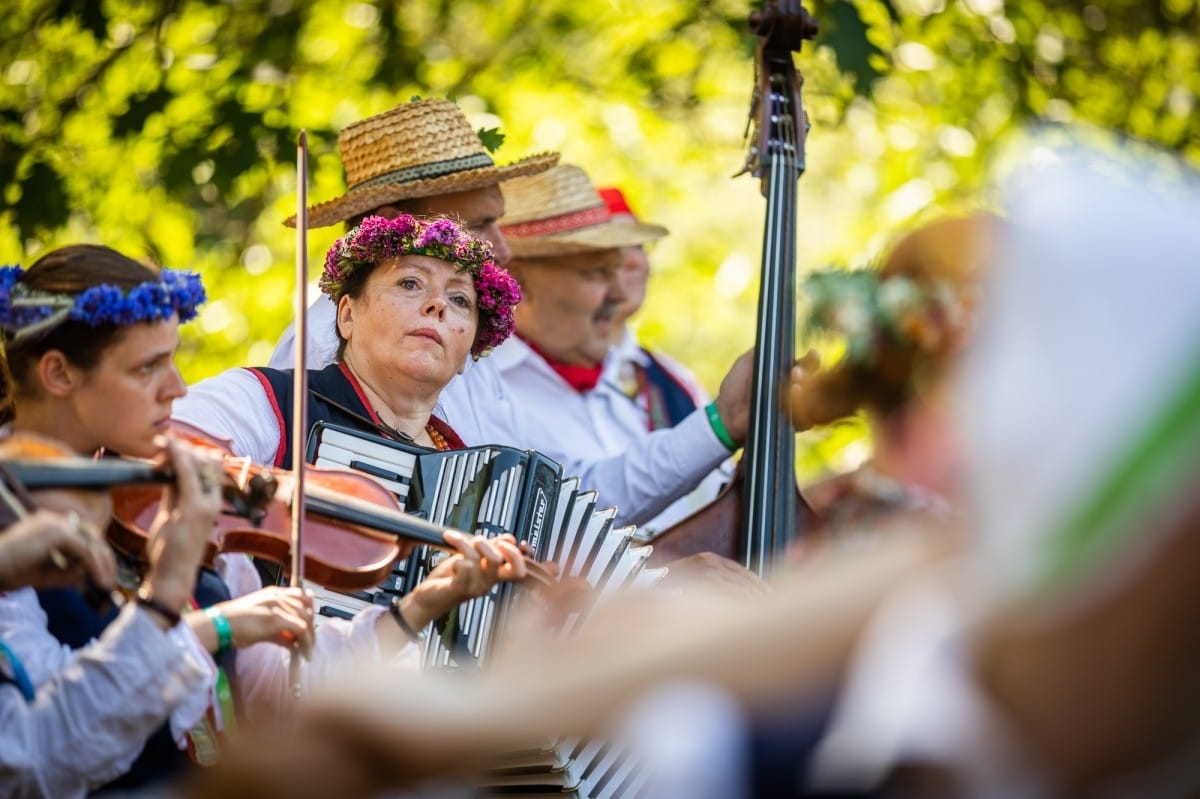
x: 663, y: 389
x: 561, y: 371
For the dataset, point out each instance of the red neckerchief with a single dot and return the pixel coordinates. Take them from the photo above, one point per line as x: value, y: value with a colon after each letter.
x: 580, y: 378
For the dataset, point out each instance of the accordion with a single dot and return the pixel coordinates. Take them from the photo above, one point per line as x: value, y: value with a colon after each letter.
x: 488, y: 490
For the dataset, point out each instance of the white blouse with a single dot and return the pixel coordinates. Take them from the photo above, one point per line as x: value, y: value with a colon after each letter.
x: 96, y: 706
x: 513, y: 398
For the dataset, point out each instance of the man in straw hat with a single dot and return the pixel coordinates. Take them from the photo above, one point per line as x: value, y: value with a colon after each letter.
x: 421, y: 158
x: 560, y: 369
x: 663, y: 390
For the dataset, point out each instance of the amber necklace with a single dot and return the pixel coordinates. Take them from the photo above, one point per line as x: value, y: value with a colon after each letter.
x: 439, y: 441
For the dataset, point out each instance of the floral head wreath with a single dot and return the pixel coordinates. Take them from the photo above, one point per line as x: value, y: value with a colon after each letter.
x: 27, y: 313
x: 378, y: 239
x: 871, y: 310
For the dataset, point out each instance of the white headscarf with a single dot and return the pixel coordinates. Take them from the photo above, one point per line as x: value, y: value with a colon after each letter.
x: 1082, y: 389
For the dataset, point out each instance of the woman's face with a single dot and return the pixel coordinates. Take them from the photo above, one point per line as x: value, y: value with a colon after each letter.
x: 414, y: 322
x: 124, y: 401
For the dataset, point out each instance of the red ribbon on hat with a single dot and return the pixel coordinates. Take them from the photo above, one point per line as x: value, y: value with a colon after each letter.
x: 616, y: 203
x: 558, y: 224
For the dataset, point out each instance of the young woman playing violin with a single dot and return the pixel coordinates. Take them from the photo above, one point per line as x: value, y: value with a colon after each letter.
x: 414, y: 298
x: 89, y: 341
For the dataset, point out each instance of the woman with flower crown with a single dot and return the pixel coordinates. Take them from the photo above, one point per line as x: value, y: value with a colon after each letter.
x: 89, y: 336
x: 414, y: 298
x: 903, y: 326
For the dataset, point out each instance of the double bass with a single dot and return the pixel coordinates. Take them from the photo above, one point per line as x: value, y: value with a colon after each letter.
x: 761, y: 511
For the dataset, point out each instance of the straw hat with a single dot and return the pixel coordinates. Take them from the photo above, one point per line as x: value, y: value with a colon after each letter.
x: 559, y: 212
x: 419, y: 149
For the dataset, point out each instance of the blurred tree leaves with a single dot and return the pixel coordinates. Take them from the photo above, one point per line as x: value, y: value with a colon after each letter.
x: 166, y: 128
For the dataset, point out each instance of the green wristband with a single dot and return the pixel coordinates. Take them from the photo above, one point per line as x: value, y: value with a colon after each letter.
x: 224, y: 631
x: 718, y: 427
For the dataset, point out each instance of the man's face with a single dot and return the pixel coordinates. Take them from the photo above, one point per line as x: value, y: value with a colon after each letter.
x: 634, y: 275
x: 569, y: 303
x: 479, y: 209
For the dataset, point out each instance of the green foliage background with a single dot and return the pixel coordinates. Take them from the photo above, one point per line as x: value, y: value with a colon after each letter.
x: 166, y: 129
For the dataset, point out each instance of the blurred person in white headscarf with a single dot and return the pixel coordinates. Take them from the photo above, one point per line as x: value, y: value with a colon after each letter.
x: 1063, y: 661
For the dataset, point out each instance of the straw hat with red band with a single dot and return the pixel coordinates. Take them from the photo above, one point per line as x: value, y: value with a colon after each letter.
x: 559, y: 212
x: 420, y: 149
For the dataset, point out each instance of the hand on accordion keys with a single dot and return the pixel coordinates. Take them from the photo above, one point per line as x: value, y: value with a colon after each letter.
x: 477, y: 564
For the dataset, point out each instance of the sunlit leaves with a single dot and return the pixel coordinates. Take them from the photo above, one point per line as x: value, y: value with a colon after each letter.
x: 167, y: 129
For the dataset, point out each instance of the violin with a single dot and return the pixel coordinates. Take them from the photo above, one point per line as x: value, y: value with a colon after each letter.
x: 18, y: 502
x: 355, y: 528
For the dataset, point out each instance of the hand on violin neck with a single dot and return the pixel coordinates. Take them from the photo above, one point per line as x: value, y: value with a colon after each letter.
x: 180, y: 533
x: 735, y: 397
x: 54, y: 550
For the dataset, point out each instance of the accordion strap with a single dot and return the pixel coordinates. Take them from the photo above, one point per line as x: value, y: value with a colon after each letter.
x: 384, y: 430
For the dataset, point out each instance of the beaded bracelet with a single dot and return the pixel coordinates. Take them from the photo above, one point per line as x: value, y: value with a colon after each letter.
x: 224, y: 630
x: 718, y: 427
x: 405, y: 627
x: 147, y: 601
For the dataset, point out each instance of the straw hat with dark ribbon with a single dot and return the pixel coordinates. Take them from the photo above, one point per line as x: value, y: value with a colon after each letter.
x: 420, y: 149
x: 559, y: 212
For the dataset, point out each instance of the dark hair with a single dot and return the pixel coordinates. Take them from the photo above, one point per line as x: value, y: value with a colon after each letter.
x: 353, y: 288
x: 68, y: 270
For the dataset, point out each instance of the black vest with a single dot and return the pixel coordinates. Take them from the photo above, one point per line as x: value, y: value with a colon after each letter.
x: 330, y: 383
x: 669, y: 401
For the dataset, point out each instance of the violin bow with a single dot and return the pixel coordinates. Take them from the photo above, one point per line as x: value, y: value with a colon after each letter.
x: 299, y: 388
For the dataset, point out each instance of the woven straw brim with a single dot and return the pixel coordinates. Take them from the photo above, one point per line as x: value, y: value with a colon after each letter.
x: 353, y: 203
x: 606, y: 236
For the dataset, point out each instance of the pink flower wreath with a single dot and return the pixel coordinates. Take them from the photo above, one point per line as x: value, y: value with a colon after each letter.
x: 378, y: 239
